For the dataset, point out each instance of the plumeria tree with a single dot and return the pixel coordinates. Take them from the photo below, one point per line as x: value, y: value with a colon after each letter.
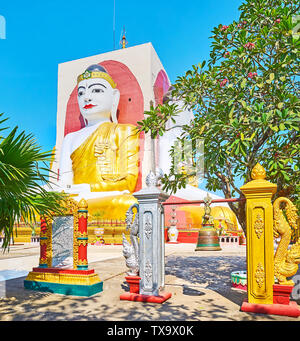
x: 24, y: 171
x: 245, y: 100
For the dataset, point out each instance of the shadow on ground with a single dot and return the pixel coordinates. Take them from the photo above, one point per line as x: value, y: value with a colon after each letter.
x: 213, y: 273
x: 189, y: 303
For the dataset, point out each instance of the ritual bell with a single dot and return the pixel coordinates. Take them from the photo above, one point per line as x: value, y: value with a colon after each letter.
x: 208, y: 239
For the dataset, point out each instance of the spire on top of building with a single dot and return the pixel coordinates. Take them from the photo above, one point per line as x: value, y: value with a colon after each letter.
x: 123, y: 41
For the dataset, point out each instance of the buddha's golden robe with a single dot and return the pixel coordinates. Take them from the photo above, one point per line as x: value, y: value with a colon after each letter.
x: 108, y: 158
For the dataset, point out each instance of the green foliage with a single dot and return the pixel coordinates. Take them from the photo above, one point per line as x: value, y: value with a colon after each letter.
x: 156, y: 119
x: 23, y: 172
x: 246, y: 101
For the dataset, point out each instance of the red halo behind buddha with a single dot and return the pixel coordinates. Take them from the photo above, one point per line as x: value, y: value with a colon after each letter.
x: 161, y: 87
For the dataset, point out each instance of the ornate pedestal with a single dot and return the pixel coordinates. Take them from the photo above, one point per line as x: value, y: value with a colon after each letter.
x: 64, y: 281
x: 63, y: 265
x: 281, y: 303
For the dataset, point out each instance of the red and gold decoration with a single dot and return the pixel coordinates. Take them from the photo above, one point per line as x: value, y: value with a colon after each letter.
x: 45, y: 244
x: 82, y: 235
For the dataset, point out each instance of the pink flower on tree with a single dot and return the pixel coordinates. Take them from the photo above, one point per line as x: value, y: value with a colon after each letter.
x: 226, y: 54
x: 224, y: 28
x: 249, y: 46
x: 252, y: 74
x: 241, y: 24
x: 277, y: 21
x: 223, y: 82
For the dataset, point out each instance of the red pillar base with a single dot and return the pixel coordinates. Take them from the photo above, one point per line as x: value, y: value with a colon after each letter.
x: 134, y: 284
x: 290, y: 309
x: 281, y: 293
x: 134, y: 289
x: 145, y: 298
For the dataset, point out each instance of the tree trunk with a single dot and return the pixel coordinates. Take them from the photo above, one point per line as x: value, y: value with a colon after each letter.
x: 240, y: 213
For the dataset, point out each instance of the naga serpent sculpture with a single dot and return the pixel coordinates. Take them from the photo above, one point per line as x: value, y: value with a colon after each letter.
x: 131, y: 251
x: 285, y: 260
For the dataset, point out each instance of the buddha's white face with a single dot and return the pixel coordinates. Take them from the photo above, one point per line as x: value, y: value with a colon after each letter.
x: 97, y: 99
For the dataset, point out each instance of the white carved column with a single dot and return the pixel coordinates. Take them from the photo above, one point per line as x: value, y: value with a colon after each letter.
x: 151, y: 233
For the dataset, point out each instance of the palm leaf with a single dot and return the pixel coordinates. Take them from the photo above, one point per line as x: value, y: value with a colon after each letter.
x: 22, y: 195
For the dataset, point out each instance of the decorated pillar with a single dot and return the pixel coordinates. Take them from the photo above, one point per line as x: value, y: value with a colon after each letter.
x: 260, y: 247
x: 45, y: 241
x: 149, y: 261
x: 82, y: 235
x: 151, y: 233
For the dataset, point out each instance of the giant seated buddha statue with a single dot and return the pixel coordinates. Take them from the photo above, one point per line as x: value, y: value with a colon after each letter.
x: 100, y: 161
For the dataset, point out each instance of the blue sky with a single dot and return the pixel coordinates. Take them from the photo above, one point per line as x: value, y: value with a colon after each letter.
x: 42, y: 34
